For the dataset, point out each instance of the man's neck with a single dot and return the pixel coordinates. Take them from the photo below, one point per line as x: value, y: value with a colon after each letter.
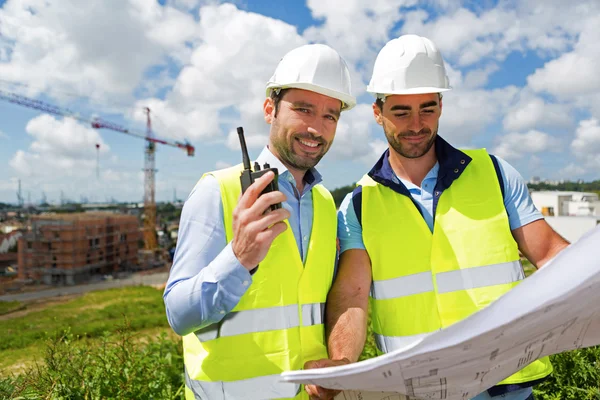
x: 413, y: 170
x: 296, y: 173
x: 298, y: 177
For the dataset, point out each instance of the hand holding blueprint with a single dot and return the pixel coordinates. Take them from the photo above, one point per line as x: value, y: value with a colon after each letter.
x: 555, y: 310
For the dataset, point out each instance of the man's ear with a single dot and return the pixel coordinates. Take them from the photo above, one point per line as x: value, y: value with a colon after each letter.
x: 269, y: 110
x: 377, y: 114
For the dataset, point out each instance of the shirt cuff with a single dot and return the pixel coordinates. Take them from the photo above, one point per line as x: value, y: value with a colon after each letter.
x: 230, y: 268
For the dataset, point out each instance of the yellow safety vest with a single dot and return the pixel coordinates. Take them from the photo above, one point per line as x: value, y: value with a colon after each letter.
x: 424, y: 281
x: 278, y: 324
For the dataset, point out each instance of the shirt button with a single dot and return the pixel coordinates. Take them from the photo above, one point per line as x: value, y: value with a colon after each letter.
x: 222, y: 312
x: 304, y: 237
x: 245, y: 283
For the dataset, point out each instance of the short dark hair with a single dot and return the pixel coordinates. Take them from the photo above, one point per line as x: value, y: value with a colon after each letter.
x: 276, y: 95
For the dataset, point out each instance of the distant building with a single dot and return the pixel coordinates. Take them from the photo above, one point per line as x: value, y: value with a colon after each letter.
x: 574, y: 204
x: 571, y: 214
x: 70, y: 248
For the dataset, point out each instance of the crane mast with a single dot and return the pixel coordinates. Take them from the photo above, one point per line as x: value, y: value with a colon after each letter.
x: 149, y: 188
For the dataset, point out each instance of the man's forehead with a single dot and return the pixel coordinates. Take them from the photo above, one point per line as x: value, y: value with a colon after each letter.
x: 308, y: 96
x: 411, y: 99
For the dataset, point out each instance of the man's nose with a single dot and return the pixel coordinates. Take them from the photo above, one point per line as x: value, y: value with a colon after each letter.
x: 315, y: 127
x: 415, y: 124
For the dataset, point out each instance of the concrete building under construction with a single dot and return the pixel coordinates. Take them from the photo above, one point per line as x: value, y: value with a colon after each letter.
x: 70, y: 248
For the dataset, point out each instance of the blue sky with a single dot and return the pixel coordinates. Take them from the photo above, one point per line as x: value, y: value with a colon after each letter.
x: 524, y: 78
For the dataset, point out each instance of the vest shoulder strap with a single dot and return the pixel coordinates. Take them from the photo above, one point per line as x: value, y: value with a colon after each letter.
x: 498, y: 173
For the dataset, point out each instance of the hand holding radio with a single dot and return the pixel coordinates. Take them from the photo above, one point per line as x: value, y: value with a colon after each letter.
x: 258, y: 217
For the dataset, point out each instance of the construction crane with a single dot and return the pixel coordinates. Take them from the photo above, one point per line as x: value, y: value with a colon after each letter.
x: 99, y: 123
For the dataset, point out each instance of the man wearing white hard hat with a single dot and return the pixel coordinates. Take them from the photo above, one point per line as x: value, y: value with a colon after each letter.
x: 432, y: 233
x: 243, y: 323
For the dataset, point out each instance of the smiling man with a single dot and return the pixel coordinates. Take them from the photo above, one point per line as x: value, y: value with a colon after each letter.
x: 243, y: 324
x: 432, y: 234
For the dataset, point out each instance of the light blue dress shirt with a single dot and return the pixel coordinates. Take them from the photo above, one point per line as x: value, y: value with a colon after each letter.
x: 517, y: 201
x: 206, y: 280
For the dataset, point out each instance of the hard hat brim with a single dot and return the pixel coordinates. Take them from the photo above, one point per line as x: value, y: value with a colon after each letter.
x: 419, y: 90
x: 348, y: 102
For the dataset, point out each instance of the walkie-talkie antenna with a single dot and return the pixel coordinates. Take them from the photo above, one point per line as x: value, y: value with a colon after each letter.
x: 245, y: 157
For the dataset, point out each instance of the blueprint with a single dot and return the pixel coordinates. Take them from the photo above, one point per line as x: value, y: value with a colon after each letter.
x: 554, y: 310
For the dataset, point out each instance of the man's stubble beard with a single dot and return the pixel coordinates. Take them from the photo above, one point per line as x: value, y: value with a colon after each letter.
x: 405, y: 151
x: 284, y: 147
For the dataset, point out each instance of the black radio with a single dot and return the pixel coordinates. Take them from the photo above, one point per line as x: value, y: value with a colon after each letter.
x: 248, y: 176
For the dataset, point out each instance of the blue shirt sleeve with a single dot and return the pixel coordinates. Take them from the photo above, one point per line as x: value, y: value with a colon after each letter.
x: 206, y: 280
x: 517, y: 200
x: 349, y: 229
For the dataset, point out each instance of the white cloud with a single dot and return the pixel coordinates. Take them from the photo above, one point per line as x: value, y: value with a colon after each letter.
x: 357, y: 30
x: 573, y: 73
x: 227, y: 73
x: 60, y: 148
x: 478, y: 78
x: 254, y: 139
x: 121, y: 48
x: 93, y: 48
x: 190, y: 5
x: 586, y: 145
x: 467, y: 113
x: 571, y: 171
x: 356, y: 133
x: 531, y: 112
x: 3, y: 135
x: 466, y: 37
x: 516, y: 145
x: 222, y: 164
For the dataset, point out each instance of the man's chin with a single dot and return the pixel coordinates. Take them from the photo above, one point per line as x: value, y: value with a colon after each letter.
x: 306, y: 162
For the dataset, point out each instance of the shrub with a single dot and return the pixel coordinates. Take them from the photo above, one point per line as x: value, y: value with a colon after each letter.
x: 576, y: 376
x: 127, y: 368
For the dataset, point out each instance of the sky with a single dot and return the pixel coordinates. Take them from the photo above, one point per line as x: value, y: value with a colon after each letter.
x: 524, y: 78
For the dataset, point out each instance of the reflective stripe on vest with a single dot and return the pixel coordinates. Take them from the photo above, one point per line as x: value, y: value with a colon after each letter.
x: 471, y: 278
x: 259, y: 388
x: 263, y: 319
x: 451, y: 281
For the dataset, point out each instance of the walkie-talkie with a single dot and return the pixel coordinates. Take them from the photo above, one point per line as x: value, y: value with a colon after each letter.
x: 248, y: 176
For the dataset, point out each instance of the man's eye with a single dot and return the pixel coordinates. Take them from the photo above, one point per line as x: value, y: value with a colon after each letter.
x: 331, y: 117
x: 428, y: 111
x: 400, y: 115
x: 304, y: 110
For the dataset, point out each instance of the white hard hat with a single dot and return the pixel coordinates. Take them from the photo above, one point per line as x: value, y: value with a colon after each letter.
x: 314, y: 67
x: 410, y: 64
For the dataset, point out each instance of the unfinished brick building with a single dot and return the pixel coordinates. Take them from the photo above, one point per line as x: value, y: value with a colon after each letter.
x: 70, y: 248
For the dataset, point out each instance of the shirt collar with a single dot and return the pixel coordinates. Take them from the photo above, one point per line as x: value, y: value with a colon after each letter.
x: 452, y: 162
x: 311, y: 178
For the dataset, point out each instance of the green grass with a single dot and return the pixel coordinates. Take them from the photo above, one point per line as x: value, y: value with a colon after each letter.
x: 10, y: 306
x: 528, y: 268
x: 87, y: 316
x: 116, y: 348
